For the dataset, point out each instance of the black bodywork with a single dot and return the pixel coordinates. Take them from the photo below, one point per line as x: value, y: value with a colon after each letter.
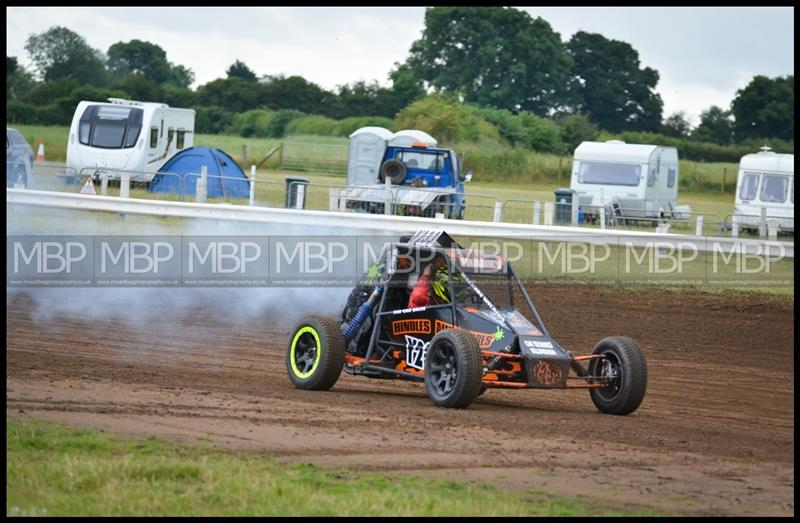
x: 485, y: 299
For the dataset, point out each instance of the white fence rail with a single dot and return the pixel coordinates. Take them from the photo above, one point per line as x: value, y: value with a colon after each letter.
x: 384, y: 224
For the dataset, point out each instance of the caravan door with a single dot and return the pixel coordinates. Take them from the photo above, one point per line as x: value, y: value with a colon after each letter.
x: 157, y: 142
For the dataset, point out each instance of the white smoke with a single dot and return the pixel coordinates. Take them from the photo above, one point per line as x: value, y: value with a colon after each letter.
x: 138, y: 306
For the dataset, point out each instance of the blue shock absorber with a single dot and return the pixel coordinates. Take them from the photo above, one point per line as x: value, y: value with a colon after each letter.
x: 361, y: 316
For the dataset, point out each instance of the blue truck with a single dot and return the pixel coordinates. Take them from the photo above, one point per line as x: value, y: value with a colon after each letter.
x: 403, y: 173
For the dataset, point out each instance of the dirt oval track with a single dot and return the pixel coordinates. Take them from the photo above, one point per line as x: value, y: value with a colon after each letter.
x: 715, y: 434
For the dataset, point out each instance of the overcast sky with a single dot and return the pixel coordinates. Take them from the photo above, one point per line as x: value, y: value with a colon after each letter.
x: 702, y: 54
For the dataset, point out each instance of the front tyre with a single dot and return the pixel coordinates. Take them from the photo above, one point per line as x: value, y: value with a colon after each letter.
x: 624, y: 367
x: 315, y: 355
x: 453, y: 369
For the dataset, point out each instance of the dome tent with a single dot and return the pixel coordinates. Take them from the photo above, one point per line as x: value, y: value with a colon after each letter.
x: 225, y: 178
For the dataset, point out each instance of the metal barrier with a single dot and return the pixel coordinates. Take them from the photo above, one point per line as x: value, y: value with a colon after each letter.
x: 52, y: 176
x: 127, y: 183
x: 523, y: 211
x: 382, y: 224
x: 698, y: 223
x: 758, y: 226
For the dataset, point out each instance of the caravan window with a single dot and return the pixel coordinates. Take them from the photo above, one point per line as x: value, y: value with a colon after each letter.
x: 651, y: 180
x: 671, y: 172
x: 153, y: 137
x: 609, y: 173
x: 181, y: 135
x: 110, y: 127
x: 170, y: 135
x: 749, y: 186
x: 774, y: 188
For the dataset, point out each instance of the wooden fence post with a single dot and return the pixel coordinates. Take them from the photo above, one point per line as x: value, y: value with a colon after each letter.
x: 244, y: 154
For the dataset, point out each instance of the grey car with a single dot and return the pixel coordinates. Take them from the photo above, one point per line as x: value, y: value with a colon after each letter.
x: 19, y: 158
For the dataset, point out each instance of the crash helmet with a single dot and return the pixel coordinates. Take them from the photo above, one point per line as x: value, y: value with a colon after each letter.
x: 440, y: 289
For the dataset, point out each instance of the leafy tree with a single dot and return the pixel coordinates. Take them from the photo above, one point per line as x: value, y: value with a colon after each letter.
x: 295, y: 92
x: 716, y: 125
x: 147, y: 60
x: 240, y: 70
x: 139, y: 87
x: 232, y: 94
x: 178, y: 96
x: 47, y: 92
x: 493, y: 56
x: 19, y: 81
x: 212, y: 120
x: 405, y: 89
x: 360, y: 99
x: 677, y: 125
x: 576, y: 128
x: 180, y: 76
x: 18, y: 112
x: 61, y: 53
x: 765, y: 108
x: 447, y: 120
x: 140, y: 58
x: 617, y: 95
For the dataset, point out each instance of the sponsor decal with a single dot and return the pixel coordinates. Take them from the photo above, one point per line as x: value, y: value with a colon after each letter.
x: 416, y: 351
x: 521, y: 324
x: 413, y: 326
x: 540, y: 347
x: 485, y: 339
x: 538, y: 344
x: 404, y: 311
x: 547, y: 373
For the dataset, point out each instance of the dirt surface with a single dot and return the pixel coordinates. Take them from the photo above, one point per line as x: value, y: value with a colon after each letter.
x: 714, y: 435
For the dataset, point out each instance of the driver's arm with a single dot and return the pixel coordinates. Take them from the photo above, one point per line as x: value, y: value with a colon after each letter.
x: 420, y: 296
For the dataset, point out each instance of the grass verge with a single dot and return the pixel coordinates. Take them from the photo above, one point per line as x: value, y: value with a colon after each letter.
x: 52, y: 470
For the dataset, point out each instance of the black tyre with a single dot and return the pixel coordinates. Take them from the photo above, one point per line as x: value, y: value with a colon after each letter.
x: 395, y: 170
x: 624, y: 361
x: 315, y: 355
x: 453, y: 369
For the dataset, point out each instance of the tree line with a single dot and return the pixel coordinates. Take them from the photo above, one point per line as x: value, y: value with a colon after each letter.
x: 510, y: 69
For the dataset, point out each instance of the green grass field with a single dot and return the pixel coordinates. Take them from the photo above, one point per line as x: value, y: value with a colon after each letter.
x: 324, y: 154
x: 53, y: 471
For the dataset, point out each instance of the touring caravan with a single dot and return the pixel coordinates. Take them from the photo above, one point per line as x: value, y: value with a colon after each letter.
x: 765, y: 181
x: 630, y: 180
x: 126, y: 135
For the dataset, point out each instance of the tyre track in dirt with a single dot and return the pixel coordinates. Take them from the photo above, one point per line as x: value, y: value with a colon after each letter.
x: 714, y: 434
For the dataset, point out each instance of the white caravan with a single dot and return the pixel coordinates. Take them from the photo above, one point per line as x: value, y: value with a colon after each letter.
x: 765, y: 181
x: 631, y: 180
x: 125, y: 135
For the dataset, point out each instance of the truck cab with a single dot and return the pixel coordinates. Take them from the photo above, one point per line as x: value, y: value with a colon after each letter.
x: 423, y: 179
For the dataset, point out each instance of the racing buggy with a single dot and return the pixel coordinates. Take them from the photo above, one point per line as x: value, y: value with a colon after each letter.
x: 471, y: 339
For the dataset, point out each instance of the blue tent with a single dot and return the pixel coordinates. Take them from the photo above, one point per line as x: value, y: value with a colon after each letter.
x: 179, y: 175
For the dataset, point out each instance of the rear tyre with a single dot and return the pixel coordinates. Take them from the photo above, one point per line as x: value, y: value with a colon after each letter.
x: 623, y: 361
x: 315, y: 354
x: 453, y: 369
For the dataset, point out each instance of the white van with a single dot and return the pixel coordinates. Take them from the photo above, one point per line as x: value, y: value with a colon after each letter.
x: 766, y: 180
x: 635, y: 180
x: 125, y: 135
